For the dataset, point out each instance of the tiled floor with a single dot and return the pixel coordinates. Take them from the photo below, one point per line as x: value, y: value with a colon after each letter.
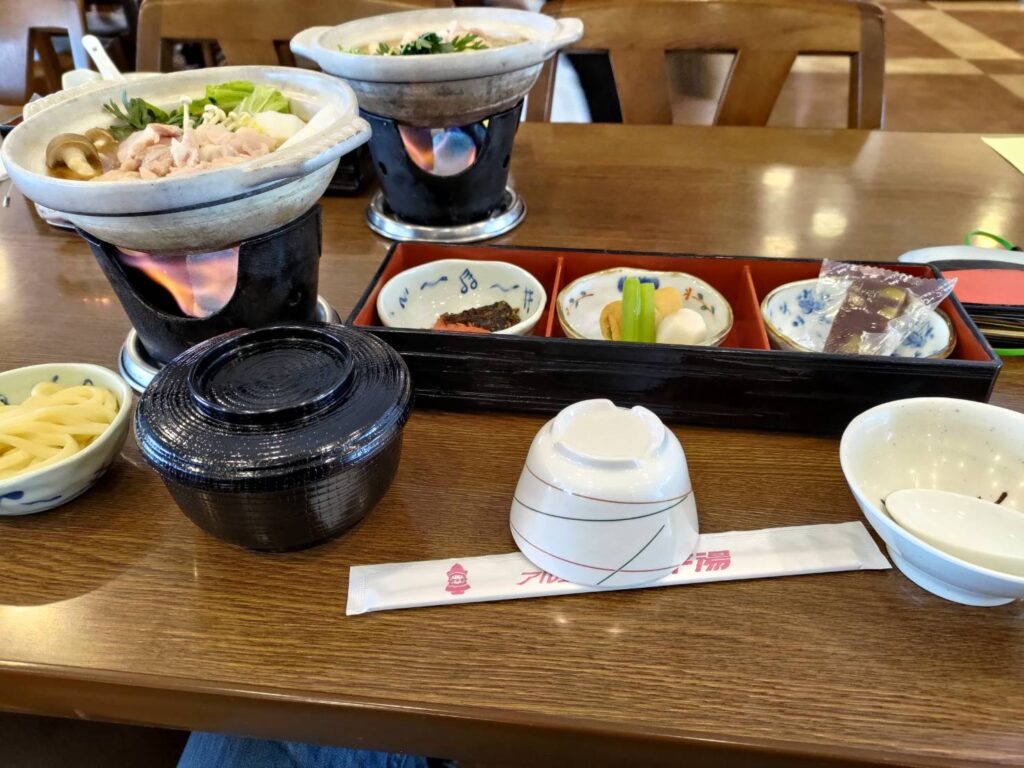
x: 950, y: 66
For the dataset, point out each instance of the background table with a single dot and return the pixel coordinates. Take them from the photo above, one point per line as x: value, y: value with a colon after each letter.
x: 117, y: 607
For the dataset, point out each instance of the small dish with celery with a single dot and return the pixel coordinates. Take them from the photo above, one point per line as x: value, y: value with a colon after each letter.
x: 639, y: 305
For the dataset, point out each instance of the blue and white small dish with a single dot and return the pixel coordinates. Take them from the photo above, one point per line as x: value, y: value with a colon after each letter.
x: 417, y: 297
x: 796, y: 318
x: 41, y: 489
x: 580, y: 303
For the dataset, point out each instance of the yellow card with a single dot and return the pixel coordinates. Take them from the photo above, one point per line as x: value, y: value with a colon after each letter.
x: 1010, y: 147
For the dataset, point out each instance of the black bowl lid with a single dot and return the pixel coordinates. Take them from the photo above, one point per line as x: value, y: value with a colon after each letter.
x: 250, y: 408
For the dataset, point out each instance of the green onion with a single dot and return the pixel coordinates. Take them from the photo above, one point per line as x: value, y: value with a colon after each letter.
x: 631, y: 309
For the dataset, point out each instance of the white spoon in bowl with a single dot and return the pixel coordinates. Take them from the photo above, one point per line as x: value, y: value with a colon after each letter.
x: 980, y: 532
x: 108, y: 69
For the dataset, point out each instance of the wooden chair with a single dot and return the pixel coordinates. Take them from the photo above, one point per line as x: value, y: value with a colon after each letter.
x: 765, y: 35
x: 24, y: 27
x: 119, y: 31
x: 247, y: 31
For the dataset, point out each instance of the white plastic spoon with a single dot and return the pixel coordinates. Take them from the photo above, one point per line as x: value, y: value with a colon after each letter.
x: 76, y: 77
x: 108, y: 69
x: 978, y: 531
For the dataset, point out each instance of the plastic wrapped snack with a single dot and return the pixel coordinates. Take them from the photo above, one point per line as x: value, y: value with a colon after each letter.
x: 874, y: 309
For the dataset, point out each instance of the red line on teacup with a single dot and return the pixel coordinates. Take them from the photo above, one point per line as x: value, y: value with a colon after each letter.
x: 607, y: 501
x: 591, y: 567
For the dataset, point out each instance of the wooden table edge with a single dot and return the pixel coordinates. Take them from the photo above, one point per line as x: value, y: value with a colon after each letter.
x: 451, y: 731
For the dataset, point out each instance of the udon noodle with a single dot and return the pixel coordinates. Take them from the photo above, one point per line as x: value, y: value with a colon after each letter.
x: 53, y: 423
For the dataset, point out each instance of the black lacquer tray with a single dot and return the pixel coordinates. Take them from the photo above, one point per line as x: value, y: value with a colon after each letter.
x: 743, y: 383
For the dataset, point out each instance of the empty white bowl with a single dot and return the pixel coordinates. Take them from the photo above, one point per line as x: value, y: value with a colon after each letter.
x: 580, y: 303
x: 950, y: 445
x: 604, y: 498
x: 50, y: 486
x: 416, y: 297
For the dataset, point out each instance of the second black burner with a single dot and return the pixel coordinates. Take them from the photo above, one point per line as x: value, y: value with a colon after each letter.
x: 418, y: 196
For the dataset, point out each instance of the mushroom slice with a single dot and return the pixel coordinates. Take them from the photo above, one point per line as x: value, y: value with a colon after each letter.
x: 101, y: 139
x: 74, y: 151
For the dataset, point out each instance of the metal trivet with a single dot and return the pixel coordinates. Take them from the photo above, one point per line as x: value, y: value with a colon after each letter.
x: 385, y: 223
x: 138, y: 368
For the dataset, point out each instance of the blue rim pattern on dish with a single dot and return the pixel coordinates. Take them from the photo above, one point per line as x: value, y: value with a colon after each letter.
x: 452, y: 285
x: 799, y: 309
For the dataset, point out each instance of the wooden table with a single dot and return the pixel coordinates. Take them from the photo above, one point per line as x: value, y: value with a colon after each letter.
x: 116, y: 607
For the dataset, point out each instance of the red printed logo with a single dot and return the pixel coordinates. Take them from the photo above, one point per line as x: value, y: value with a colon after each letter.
x: 714, y: 560
x: 458, y: 581
x: 542, y: 577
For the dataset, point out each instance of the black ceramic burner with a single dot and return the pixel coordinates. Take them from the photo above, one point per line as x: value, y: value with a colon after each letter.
x: 417, y: 196
x: 276, y: 282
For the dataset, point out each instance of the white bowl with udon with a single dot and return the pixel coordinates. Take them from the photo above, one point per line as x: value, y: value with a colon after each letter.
x: 56, y: 450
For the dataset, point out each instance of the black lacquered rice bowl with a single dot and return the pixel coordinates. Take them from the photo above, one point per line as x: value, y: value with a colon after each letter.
x: 277, y: 438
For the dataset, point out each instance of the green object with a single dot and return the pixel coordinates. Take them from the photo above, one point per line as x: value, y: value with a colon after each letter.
x: 430, y: 42
x: 427, y: 43
x: 195, y: 109
x: 229, y: 95
x: 1003, y: 242
x: 1010, y: 352
x: 262, y: 99
x: 132, y: 115
x: 631, y: 309
x: 646, y: 313
x: 135, y: 114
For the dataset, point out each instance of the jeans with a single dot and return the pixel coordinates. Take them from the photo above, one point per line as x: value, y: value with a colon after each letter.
x: 212, y: 750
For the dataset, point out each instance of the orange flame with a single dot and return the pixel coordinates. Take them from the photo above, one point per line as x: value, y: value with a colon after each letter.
x: 441, y: 151
x: 419, y: 143
x: 201, y: 283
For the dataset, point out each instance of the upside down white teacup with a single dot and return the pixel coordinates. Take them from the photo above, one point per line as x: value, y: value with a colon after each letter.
x: 605, y: 497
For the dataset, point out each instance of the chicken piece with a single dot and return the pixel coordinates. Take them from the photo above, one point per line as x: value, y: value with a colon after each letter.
x: 208, y: 153
x: 212, y: 133
x: 165, y: 131
x: 184, y: 152
x: 157, y: 161
x: 132, y: 149
x: 212, y: 141
x: 250, y: 142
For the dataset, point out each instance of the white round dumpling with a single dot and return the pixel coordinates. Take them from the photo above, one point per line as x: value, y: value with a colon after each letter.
x: 684, y: 326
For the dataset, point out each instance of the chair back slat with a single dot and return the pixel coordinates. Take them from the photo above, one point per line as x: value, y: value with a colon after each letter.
x: 21, y: 22
x: 267, y: 28
x: 766, y: 36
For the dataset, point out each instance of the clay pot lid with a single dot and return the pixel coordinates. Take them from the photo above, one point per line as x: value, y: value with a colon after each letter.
x: 267, y: 407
